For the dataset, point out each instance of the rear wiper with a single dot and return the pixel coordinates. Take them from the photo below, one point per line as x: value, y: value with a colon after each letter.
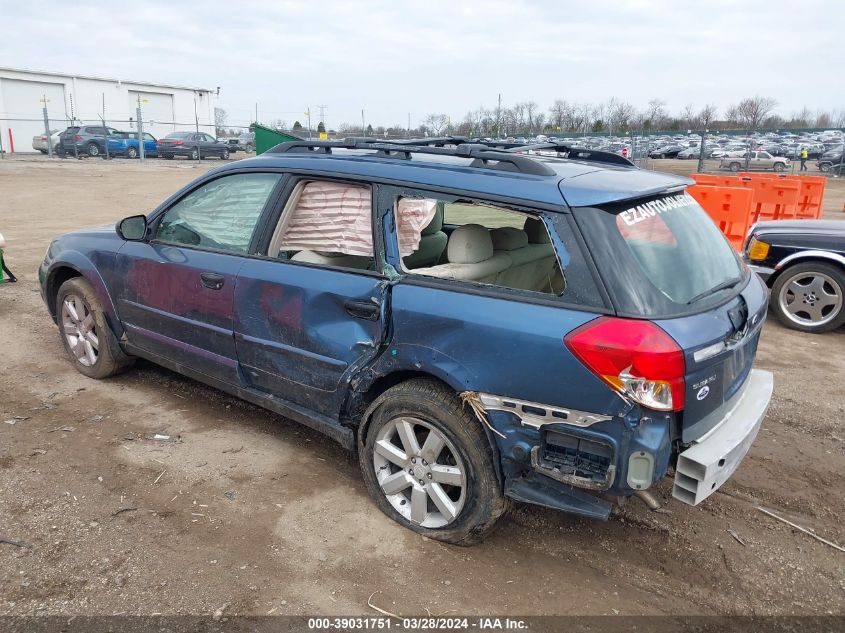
x: 730, y: 283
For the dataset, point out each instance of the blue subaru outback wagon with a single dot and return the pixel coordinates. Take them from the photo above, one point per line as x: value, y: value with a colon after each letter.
x: 481, y: 322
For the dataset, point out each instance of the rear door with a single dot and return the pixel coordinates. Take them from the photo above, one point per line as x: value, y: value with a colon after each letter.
x: 175, y: 291
x: 311, y: 311
x: 492, y: 319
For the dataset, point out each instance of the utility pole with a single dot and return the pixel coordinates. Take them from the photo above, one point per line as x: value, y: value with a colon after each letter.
x: 256, y: 111
x: 363, y: 128
x: 408, y: 134
x: 105, y: 130
x: 141, y: 153
x: 308, y: 114
x: 701, y: 152
x: 499, y: 118
x: 47, y: 128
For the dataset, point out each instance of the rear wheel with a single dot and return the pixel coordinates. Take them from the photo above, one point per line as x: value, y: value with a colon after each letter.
x: 778, y: 167
x: 224, y: 155
x: 428, y: 465
x: 809, y: 297
x: 92, y: 149
x: 824, y: 167
x: 86, y: 336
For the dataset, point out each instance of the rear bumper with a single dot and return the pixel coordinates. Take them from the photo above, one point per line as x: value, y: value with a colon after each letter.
x: 712, y: 459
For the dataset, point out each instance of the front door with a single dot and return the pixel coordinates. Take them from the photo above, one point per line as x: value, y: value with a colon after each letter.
x: 310, y: 313
x: 175, y: 294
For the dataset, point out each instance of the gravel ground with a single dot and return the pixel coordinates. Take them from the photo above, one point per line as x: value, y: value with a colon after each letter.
x: 243, y: 510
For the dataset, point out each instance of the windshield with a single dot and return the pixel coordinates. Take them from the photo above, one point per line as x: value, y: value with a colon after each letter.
x: 667, y: 256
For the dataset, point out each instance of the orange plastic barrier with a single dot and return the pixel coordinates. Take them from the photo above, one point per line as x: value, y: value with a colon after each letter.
x: 810, y: 195
x: 717, y: 180
x: 728, y: 207
x: 774, y: 199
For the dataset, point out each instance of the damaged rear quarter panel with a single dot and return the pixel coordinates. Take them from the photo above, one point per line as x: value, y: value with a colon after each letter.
x: 503, y: 346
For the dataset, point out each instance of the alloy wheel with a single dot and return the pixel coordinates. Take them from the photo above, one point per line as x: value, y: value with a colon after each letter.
x: 420, y: 472
x: 810, y: 298
x: 80, y: 330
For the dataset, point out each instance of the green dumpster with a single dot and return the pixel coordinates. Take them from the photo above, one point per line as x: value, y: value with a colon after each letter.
x: 265, y: 138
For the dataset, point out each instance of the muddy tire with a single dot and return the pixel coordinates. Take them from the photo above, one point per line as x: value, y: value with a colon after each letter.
x: 87, y: 338
x: 428, y: 465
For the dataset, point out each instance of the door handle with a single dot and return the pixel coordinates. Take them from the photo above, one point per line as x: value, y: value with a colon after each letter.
x: 212, y: 280
x: 363, y: 310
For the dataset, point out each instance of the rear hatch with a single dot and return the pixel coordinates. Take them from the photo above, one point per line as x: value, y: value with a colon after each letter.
x: 662, y: 259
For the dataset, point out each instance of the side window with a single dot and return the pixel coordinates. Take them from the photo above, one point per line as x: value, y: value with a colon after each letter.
x: 208, y: 138
x: 221, y: 214
x: 475, y: 242
x: 326, y: 223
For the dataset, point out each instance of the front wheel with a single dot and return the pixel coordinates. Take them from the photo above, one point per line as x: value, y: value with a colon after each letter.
x: 131, y: 152
x: 195, y: 154
x: 87, y: 338
x: 224, y: 155
x: 735, y: 167
x: 824, y: 167
x: 428, y: 465
x: 809, y: 297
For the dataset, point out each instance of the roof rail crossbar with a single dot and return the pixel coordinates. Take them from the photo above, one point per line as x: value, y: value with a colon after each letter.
x: 572, y: 152
x: 484, y: 155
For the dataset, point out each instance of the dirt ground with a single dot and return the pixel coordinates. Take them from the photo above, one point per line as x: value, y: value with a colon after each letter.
x: 246, y: 511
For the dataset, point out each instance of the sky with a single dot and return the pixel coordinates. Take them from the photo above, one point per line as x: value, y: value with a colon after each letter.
x: 412, y: 57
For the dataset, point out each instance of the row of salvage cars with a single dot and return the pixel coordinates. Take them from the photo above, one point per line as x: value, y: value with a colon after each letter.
x: 96, y: 140
x: 446, y: 308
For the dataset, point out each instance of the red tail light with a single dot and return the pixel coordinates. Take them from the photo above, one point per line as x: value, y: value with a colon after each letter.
x: 43, y: 138
x: 636, y: 358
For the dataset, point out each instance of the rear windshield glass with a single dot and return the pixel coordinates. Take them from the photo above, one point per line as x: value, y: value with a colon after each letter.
x: 665, y: 256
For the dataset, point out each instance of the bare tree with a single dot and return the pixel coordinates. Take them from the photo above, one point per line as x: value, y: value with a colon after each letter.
x: 689, y: 117
x: 707, y: 115
x: 220, y: 117
x: 436, y: 124
x: 752, y: 111
x: 655, y: 115
x: 557, y: 114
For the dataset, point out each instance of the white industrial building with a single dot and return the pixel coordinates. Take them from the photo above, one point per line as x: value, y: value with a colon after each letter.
x: 82, y: 99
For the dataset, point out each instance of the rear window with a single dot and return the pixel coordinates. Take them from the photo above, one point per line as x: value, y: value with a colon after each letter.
x: 665, y: 257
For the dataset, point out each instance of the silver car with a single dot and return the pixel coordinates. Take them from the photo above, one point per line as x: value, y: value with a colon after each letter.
x: 39, y: 141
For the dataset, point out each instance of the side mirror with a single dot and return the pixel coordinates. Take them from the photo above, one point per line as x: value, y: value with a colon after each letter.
x: 133, y: 228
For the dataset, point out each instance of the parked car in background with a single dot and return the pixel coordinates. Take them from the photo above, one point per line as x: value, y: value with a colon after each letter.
x: 232, y: 143
x: 194, y: 145
x: 385, y: 326
x: 690, y: 153
x: 246, y: 141
x: 803, y: 262
x: 667, y: 151
x: 39, y: 141
x: 86, y: 139
x: 757, y: 161
x: 830, y: 158
x: 127, y: 145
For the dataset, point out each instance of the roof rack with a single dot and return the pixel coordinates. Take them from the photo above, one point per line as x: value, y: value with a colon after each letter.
x: 572, y: 152
x: 483, y: 155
